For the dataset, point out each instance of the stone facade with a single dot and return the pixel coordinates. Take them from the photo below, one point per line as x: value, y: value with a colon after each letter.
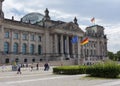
x: 49, y: 40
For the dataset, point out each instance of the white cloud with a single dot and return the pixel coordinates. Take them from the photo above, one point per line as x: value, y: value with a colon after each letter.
x: 113, y: 34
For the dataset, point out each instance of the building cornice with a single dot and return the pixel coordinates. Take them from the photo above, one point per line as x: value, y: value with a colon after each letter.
x: 22, y: 24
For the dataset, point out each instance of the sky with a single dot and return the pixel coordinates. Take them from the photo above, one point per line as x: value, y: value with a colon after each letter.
x: 106, y: 13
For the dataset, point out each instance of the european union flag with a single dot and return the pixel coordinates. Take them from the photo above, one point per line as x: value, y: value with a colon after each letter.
x: 75, y: 39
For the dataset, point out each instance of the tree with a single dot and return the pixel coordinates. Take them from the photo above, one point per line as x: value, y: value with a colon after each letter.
x: 118, y: 55
x: 111, y: 55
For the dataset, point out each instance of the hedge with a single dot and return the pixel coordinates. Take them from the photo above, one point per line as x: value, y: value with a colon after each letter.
x: 70, y: 70
x: 107, y: 70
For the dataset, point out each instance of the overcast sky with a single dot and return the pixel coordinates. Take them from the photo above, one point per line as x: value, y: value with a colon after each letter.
x: 106, y: 13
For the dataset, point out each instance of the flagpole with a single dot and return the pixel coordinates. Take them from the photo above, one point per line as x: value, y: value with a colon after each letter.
x: 93, y: 20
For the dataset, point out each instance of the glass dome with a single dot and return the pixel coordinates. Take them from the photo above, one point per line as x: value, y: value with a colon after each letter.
x: 33, y: 18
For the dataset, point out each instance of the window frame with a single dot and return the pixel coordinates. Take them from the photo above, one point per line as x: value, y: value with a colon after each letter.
x: 16, y: 36
x: 6, y: 47
x: 24, y: 48
x: 15, y: 48
x: 7, y: 34
x: 24, y: 36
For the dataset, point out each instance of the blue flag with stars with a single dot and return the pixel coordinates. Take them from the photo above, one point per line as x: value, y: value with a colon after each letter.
x: 74, y: 39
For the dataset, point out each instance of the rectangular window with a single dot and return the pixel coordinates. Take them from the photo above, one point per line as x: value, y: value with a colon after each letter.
x: 24, y: 36
x: 15, y: 35
x: 39, y: 38
x: 6, y: 35
x: 32, y: 37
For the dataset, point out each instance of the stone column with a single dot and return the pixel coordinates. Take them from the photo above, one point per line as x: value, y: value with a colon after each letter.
x: 47, y: 51
x: 1, y: 11
x: 20, y: 44
x: 28, y: 45
x: 73, y: 50
x: 82, y: 49
x: 67, y: 40
x: 82, y: 52
x: 61, y: 48
x: 61, y: 44
x: 1, y: 39
x: 79, y: 50
x: 106, y: 48
x: 106, y: 57
x: 1, y: 1
x: 56, y: 43
x: 98, y: 48
x: 11, y: 41
x: 36, y: 44
x: 89, y: 50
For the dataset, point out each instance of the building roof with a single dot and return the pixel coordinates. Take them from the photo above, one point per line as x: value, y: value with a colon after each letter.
x: 33, y: 17
x: 94, y: 26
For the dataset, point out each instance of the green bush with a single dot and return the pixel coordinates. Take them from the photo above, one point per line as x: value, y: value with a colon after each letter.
x: 107, y: 70
x: 70, y: 70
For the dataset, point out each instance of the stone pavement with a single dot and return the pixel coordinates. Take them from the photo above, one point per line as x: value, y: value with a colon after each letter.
x: 46, y: 78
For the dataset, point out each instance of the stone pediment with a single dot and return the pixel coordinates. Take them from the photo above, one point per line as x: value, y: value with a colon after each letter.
x: 70, y: 26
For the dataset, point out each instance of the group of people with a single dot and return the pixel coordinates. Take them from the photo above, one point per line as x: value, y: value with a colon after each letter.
x: 37, y: 66
x: 46, y: 67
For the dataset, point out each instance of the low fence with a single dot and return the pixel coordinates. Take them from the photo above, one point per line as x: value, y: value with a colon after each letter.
x: 41, y: 64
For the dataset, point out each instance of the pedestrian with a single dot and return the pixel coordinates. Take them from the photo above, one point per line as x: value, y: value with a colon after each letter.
x: 31, y: 67
x: 26, y: 65
x: 3, y: 68
x: 19, y: 70
x: 46, y: 67
x: 37, y: 66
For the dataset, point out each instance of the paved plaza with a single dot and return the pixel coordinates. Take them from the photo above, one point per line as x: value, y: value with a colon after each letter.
x: 46, y: 78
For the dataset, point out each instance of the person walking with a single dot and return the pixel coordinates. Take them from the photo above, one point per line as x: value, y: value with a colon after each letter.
x: 46, y: 67
x: 31, y: 67
x: 3, y: 68
x: 37, y: 66
x: 19, y: 70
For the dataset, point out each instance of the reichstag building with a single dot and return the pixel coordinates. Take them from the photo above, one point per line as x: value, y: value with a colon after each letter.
x: 38, y: 38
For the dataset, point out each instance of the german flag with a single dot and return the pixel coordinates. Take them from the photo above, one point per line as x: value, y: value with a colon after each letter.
x: 85, y: 41
x: 93, y: 20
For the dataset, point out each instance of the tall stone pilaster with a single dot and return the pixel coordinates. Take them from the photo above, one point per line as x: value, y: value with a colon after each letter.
x: 47, y: 51
x: 61, y: 48
x: 67, y: 40
x: 36, y: 43
x: 61, y: 44
x: 56, y: 43
x: 1, y: 11
x: 79, y: 51
x: 20, y: 44
x: 11, y: 41
x: 73, y: 50
x: 1, y: 38
x: 28, y: 45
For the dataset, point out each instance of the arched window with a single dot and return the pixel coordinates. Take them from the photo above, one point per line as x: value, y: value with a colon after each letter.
x: 7, y: 60
x: 16, y: 60
x: 6, y: 47
x: 41, y: 60
x: 24, y: 48
x: 31, y: 49
x: 33, y: 60
x: 39, y: 49
x: 15, y: 48
x: 25, y: 60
